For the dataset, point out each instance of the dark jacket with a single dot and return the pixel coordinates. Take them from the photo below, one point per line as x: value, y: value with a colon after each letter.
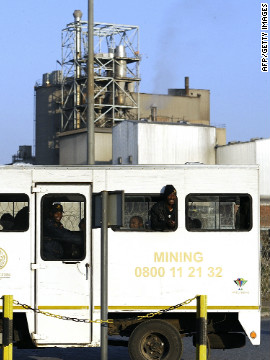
x: 58, y: 241
x: 161, y: 217
x: 56, y: 231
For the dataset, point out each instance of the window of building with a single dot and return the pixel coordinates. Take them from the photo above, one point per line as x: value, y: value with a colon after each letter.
x: 63, y: 227
x: 14, y: 212
x: 218, y: 212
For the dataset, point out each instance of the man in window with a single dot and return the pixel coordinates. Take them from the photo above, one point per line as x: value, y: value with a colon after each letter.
x: 164, y: 213
x: 59, y: 240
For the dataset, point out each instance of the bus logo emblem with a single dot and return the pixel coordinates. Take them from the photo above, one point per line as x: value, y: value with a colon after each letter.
x: 3, y: 258
x: 240, y: 282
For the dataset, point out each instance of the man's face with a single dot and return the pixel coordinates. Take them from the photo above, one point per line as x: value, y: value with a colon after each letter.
x: 171, y: 198
x: 57, y: 216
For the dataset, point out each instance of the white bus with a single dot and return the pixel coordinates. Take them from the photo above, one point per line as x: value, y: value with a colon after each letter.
x: 212, y: 250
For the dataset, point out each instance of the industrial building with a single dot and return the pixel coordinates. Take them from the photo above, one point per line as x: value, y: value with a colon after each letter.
x: 61, y: 108
x: 61, y: 97
x: 57, y: 145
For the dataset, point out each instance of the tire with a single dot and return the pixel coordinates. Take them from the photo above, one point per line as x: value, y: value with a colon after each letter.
x: 155, y: 340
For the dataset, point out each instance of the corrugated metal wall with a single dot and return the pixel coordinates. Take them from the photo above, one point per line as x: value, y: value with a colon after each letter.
x: 125, y: 143
x: 239, y: 154
x: 157, y: 143
x: 73, y: 148
x: 263, y: 159
x: 253, y: 152
x: 176, y: 144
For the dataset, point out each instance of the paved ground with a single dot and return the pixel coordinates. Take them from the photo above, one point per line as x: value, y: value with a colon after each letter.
x: 249, y: 352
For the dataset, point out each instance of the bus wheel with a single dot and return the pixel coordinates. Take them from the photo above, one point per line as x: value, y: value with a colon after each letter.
x: 155, y: 340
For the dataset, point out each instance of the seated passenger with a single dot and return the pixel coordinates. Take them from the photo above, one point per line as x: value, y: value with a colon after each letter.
x: 194, y: 223
x: 243, y: 215
x: 136, y: 222
x: 7, y: 222
x: 82, y: 225
x: 21, y: 221
x: 164, y: 213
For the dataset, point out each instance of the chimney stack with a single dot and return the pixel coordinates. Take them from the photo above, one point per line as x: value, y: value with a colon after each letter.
x: 187, y: 85
x: 153, y: 112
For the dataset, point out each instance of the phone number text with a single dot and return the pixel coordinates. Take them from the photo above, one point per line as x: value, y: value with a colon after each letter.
x: 178, y: 272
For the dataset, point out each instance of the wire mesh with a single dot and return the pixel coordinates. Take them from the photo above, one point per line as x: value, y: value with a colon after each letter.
x: 265, y: 265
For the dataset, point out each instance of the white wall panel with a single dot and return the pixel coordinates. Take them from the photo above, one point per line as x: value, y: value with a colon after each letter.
x: 263, y: 159
x: 254, y: 152
x: 239, y: 154
x: 156, y: 143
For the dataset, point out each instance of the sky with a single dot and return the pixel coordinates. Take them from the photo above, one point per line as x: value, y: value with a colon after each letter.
x: 216, y: 43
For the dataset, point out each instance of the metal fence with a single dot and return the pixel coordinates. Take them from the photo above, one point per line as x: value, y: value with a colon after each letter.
x: 265, y: 266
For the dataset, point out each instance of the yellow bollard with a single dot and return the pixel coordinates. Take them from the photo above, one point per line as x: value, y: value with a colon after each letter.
x: 7, y: 327
x: 201, y: 335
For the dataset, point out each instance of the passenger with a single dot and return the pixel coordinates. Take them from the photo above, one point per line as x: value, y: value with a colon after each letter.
x: 7, y: 222
x: 82, y: 225
x: 21, y: 221
x: 194, y: 223
x: 136, y: 222
x: 164, y: 213
x: 243, y: 215
x: 58, y: 240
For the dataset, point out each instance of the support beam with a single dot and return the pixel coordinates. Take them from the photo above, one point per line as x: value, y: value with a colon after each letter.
x: 90, y: 88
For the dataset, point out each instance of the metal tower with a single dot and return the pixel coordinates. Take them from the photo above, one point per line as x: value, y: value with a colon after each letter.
x: 116, y: 72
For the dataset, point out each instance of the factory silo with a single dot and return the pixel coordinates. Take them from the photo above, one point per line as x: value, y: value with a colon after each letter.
x: 120, y: 74
x: 47, y: 118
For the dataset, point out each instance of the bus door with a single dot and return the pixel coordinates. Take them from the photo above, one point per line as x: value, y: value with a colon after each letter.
x: 63, y: 263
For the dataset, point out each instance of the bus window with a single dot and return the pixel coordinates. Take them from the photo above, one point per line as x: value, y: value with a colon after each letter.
x: 137, y: 215
x: 63, y: 227
x: 14, y: 212
x: 218, y: 212
x: 137, y: 212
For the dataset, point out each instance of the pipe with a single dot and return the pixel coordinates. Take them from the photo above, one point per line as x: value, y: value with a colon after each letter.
x: 77, y: 89
x: 153, y: 113
x: 187, y: 85
x: 104, y: 276
x: 90, y: 88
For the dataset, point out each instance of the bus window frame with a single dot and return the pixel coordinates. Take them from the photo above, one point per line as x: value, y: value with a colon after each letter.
x: 220, y: 195
x: 157, y: 197
x: 9, y: 197
x: 60, y: 198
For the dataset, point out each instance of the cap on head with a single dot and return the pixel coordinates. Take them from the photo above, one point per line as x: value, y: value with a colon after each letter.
x: 169, y: 189
x: 57, y: 207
